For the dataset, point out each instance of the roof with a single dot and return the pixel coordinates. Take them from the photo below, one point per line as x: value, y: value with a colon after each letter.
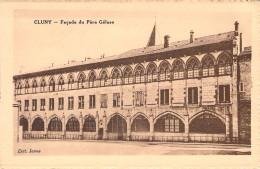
x: 206, y: 40
x: 247, y: 50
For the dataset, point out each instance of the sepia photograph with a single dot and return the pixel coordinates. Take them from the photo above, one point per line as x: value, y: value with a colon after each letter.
x: 105, y: 83
x: 180, y: 89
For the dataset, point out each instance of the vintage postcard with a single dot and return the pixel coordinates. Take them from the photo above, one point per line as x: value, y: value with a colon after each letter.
x: 150, y: 84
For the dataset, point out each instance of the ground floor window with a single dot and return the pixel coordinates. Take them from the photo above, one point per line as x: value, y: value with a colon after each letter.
x: 169, y: 123
x: 207, y: 123
x: 140, y: 124
x: 72, y: 124
x: 24, y: 123
x: 117, y: 125
x: 38, y: 124
x: 89, y: 124
x: 55, y: 124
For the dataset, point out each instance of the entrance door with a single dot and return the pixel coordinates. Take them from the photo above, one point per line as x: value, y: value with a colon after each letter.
x: 100, y: 134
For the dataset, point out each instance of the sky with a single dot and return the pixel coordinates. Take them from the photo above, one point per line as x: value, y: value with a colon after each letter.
x: 39, y: 45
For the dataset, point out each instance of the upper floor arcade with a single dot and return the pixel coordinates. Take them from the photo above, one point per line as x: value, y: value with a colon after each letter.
x: 179, y: 68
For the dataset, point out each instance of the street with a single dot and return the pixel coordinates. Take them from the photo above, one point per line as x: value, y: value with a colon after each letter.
x: 83, y: 147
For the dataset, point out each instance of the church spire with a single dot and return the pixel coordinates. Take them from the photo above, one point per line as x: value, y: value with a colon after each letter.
x: 151, y: 41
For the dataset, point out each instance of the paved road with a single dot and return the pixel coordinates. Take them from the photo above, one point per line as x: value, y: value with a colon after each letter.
x: 83, y: 147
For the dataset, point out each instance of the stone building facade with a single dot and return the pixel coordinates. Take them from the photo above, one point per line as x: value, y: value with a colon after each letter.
x: 177, y: 91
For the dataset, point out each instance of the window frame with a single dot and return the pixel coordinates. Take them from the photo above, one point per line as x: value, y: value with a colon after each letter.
x: 61, y: 103
x: 81, y: 102
x: 192, y: 99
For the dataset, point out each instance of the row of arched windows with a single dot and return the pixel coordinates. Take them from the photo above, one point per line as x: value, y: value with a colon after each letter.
x: 204, y: 123
x: 194, y: 68
x: 55, y: 124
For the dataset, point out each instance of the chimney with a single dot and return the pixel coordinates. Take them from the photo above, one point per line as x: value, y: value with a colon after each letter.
x: 240, y: 49
x: 166, y: 41
x: 236, y: 28
x: 191, y: 36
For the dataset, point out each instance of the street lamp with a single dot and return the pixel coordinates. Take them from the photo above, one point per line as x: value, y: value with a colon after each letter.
x: 18, y: 105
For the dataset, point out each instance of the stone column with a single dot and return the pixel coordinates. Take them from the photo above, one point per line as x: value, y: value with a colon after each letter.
x: 45, y: 126
x: 29, y: 124
x: 80, y: 126
x: 63, y: 126
x: 234, y: 88
x: 97, y: 124
x: 105, y: 126
x: 151, y: 125
x: 128, y: 137
x: 228, y: 134
x: 186, y: 128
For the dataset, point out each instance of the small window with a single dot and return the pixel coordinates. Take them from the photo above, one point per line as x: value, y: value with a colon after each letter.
x: 128, y: 76
x: 241, y: 87
x: 70, y: 103
x: 61, y: 103
x: 81, y: 102
x: 116, y: 99
x: 139, y: 98
x: 92, y: 101
x: 193, y: 95
x: 61, y: 84
x: 51, y: 103
x: 103, y: 100
x: 81, y: 81
x: 165, y: 97
x: 34, y: 86
x: 42, y: 104
x: 19, y: 88
x: 27, y: 86
x: 224, y: 93
x: 70, y: 82
x: 52, y: 85
x: 104, y: 79
x: 193, y: 68
x: 34, y: 105
x: 43, y: 84
x: 26, y: 105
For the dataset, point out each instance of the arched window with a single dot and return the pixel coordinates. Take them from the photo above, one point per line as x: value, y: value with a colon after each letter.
x: 139, y: 74
x: 70, y: 82
x: 207, y: 123
x: 103, y: 78
x: 81, y: 81
x: 116, y: 77
x: 128, y: 75
x: 193, y: 68
x: 55, y: 124
x: 43, y: 85
x: 164, y: 71
x: 140, y: 124
x: 89, y: 124
x: 92, y: 79
x: 24, y: 123
x: 151, y: 73
x: 61, y: 83
x: 224, y: 65
x: 178, y: 70
x: 117, y: 125
x: 72, y: 124
x: 19, y: 88
x: 208, y: 66
x: 52, y: 85
x: 38, y: 124
x: 34, y: 86
x: 169, y: 123
x: 27, y: 86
